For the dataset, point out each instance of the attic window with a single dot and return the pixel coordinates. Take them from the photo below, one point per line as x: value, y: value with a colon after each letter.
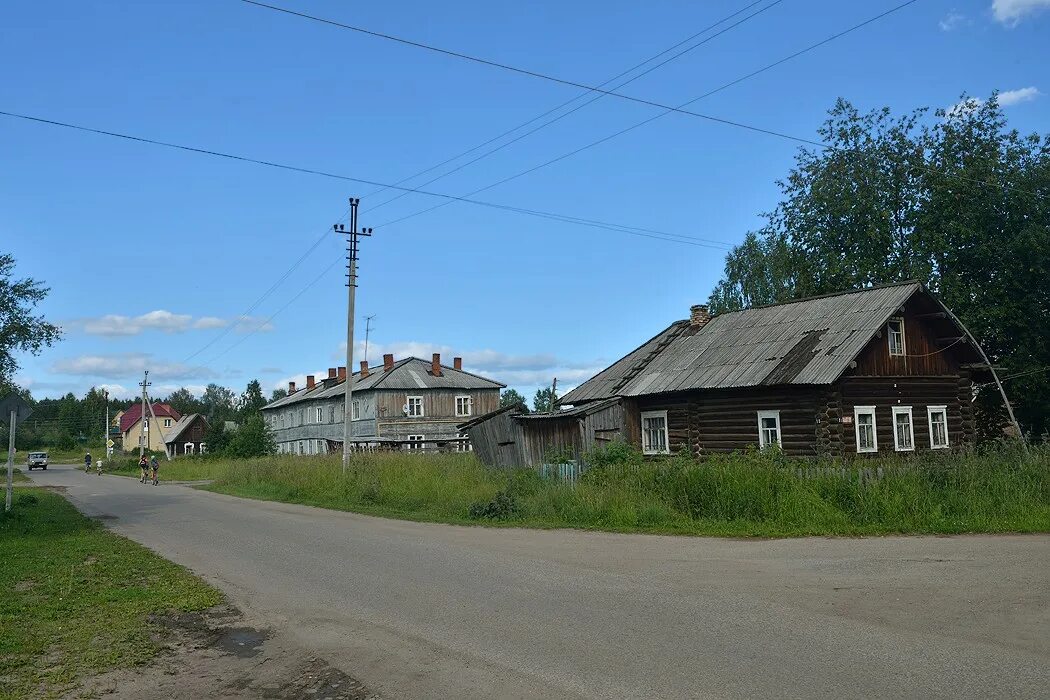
x: 895, y: 336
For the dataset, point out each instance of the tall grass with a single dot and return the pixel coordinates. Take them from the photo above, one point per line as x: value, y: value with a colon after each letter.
x: 1001, y: 490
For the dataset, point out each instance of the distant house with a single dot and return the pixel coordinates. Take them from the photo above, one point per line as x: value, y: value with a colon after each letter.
x: 131, y: 426
x: 186, y: 437
x: 870, y: 371
x: 411, y: 404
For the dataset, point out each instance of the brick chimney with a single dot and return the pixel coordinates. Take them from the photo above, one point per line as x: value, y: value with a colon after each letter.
x: 341, y: 373
x: 291, y: 387
x: 698, y: 316
x: 457, y: 363
x: 310, y: 382
x: 388, y: 362
x: 332, y: 373
x: 435, y: 364
x: 364, y: 368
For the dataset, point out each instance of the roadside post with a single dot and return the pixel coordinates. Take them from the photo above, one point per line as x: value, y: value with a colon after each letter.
x: 16, y: 409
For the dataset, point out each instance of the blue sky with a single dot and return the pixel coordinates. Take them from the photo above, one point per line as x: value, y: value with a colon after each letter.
x: 153, y: 255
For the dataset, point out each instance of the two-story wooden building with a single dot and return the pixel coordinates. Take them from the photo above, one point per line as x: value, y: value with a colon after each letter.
x: 412, y: 402
x: 870, y: 371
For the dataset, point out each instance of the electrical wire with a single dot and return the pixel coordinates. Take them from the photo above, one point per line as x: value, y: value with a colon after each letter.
x: 578, y: 97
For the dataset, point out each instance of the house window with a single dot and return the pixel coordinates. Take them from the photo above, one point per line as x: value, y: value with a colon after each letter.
x: 895, y: 336
x: 864, y: 421
x: 464, y: 444
x: 167, y: 422
x: 768, y: 428
x: 415, y: 442
x: 938, y: 417
x: 301, y: 448
x: 188, y: 448
x: 462, y: 405
x: 654, y: 433
x: 331, y: 414
x: 415, y: 406
x: 302, y: 416
x: 355, y: 410
x: 320, y: 415
x: 903, y: 434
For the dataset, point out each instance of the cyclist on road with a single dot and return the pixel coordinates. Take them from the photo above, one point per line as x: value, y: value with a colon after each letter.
x: 87, y: 462
x: 144, y: 466
x: 154, y: 464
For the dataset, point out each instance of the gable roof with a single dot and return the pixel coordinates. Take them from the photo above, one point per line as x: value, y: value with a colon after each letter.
x: 179, y: 428
x: 809, y: 341
x: 134, y: 413
x: 407, y: 374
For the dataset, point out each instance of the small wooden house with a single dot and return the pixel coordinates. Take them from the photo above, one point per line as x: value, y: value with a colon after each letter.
x: 186, y: 437
x: 870, y: 371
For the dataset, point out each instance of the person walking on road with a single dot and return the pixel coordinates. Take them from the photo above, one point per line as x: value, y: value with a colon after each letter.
x: 154, y: 464
x: 144, y: 466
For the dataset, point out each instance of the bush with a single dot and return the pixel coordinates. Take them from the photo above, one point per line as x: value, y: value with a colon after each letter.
x: 502, y: 507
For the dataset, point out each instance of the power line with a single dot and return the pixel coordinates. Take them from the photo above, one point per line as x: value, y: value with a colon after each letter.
x: 578, y: 97
x: 535, y: 74
x: 653, y: 118
x: 593, y: 223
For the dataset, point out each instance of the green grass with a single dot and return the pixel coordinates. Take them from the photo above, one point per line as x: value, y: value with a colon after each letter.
x: 752, y: 494
x: 77, y: 597
x: 179, y: 469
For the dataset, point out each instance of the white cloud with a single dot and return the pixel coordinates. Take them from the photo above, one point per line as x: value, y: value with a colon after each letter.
x: 165, y: 321
x: 124, y: 365
x: 1013, y: 97
x: 1010, y: 12
x: 953, y: 20
x: 208, y: 322
x: 1007, y: 98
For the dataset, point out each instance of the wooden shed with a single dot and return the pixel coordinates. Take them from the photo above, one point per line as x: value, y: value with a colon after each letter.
x: 508, y: 438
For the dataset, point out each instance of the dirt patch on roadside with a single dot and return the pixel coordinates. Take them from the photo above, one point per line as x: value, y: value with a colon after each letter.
x: 219, y: 654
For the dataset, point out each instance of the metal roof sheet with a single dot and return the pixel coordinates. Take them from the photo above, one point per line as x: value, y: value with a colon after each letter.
x: 810, y: 341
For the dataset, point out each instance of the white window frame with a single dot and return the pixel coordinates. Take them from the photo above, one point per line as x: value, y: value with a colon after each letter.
x: 898, y: 411
x: 418, y: 439
x: 408, y: 402
x: 943, y: 410
x: 301, y: 448
x: 167, y: 422
x: 319, y: 414
x: 858, y: 411
x: 464, y: 446
x: 355, y: 410
x: 648, y: 449
x: 889, y: 337
x: 188, y: 448
x: 761, y: 434
x: 468, y: 402
x: 204, y: 448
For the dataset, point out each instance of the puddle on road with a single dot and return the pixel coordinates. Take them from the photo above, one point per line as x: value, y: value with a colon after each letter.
x: 242, y: 641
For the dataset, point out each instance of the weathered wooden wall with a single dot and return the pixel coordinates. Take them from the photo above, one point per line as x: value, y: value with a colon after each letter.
x: 924, y: 355
x: 437, y: 403
x: 726, y: 420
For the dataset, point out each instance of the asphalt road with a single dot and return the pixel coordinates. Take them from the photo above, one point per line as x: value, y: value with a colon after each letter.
x: 434, y: 611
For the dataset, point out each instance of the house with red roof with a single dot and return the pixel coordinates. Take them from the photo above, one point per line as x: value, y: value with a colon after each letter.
x: 132, y: 429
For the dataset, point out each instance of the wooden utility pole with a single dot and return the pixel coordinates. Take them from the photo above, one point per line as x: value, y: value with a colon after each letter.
x: 105, y: 428
x: 351, y: 257
x: 11, y: 424
x: 142, y: 426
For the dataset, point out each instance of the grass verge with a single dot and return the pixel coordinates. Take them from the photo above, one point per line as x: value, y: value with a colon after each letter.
x: 77, y: 598
x: 751, y: 494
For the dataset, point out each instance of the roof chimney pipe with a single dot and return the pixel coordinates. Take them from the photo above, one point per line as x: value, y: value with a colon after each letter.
x: 341, y: 373
x: 435, y: 364
x: 364, y: 368
x: 310, y: 383
x: 388, y: 362
x: 332, y: 373
x: 457, y: 363
x: 291, y: 387
x: 698, y: 316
